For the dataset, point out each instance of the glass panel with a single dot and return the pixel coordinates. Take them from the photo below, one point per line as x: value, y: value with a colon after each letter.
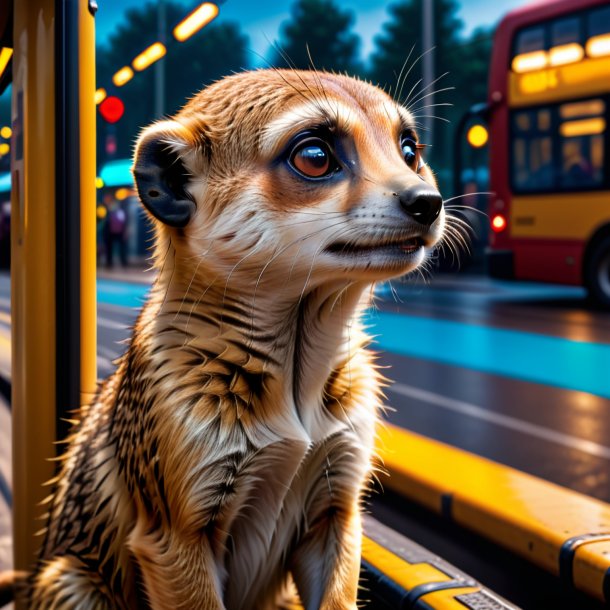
x: 528, y: 40
x: 522, y: 121
x: 599, y: 22
x: 559, y: 147
x: 544, y: 120
x: 582, y: 143
x: 533, y: 151
x: 582, y: 161
x: 565, y: 31
x: 582, y: 109
x: 520, y: 173
x: 532, y: 164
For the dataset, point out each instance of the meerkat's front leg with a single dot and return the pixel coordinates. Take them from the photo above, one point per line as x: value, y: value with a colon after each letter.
x: 178, y: 569
x: 66, y: 582
x: 326, y: 564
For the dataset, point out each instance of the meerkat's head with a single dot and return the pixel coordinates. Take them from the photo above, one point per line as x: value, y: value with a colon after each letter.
x: 282, y: 178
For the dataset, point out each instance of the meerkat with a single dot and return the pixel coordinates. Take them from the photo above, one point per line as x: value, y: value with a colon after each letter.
x: 223, y: 464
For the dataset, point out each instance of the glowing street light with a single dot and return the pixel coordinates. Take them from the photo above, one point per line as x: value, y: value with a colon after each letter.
x: 5, y: 57
x: 149, y: 56
x: 100, y: 96
x: 192, y: 23
x: 6, y: 132
x: 122, y: 193
x: 477, y: 136
x: 4, y: 149
x: 124, y: 75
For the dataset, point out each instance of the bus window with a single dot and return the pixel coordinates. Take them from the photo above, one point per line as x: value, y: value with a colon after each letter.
x: 532, y: 151
x: 565, y: 31
x: 599, y: 22
x: 581, y: 132
x: 587, y: 108
x: 529, y: 40
x: 559, y: 147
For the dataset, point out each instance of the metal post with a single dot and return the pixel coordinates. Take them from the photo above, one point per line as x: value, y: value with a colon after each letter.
x: 160, y: 65
x: 53, y: 244
x: 428, y: 65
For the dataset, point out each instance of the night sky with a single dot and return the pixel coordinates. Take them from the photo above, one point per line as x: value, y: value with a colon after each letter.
x: 260, y: 20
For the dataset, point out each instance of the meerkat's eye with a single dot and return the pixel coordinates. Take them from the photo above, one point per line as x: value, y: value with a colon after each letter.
x: 410, y: 150
x: 313, y: 158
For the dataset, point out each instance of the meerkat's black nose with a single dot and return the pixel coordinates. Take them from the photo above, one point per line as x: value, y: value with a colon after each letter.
x: 422, y: 203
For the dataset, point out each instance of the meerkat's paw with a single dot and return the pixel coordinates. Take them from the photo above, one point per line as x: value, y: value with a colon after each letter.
x: 288, y: 598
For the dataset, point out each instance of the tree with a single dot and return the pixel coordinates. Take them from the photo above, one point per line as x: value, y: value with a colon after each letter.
x: 465, y: 60
x: 215, y: 51
x: 475, y: 56
x: 323, y: 28
x: 401, y: 39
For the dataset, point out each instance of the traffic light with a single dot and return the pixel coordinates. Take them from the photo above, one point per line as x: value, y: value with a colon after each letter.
x: 112, y: 109
x: 477, y: 136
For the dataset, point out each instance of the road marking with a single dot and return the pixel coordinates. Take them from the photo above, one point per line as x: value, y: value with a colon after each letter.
x: 544, y: 359
x: 110, y: 324
x: 121, y: 293
x: 105, y: 363
x: 466, y: 408
x: 107, y: 353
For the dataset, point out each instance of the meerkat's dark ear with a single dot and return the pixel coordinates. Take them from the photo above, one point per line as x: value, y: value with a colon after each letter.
x: 160, y: 174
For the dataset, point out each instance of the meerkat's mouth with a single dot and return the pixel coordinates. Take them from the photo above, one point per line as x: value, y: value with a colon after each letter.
x: 403, y: 246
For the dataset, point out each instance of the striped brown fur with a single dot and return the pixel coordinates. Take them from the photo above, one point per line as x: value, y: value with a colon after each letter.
x: 224, y: 463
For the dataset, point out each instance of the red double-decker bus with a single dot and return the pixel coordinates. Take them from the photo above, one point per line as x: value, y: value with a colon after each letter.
x: 549, y: 108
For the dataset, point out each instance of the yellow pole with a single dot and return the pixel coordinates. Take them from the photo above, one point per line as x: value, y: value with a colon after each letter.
x: 88, y: 246
x: 32, y: 269
x: 53, y: 244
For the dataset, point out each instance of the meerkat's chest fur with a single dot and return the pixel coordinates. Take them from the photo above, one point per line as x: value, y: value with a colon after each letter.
x: 215, y: 440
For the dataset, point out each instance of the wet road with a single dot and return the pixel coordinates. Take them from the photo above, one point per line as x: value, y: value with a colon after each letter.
x: 518, y: 373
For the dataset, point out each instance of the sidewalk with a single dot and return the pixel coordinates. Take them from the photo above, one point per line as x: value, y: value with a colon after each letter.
x: 6, y: 534
x: 138, y: 273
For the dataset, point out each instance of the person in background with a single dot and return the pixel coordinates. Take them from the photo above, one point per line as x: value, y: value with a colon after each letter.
x: 101, y: 215
x: 115, y: 231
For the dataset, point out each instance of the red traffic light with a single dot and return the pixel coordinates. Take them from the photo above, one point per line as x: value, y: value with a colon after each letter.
x: 112, y: 109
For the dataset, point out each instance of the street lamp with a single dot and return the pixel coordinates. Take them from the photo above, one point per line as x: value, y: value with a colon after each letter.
x: 100, y: 96
x: 149, y: 56
x: 124, y: 75
x: 192, y: 23
x: 5, y: 57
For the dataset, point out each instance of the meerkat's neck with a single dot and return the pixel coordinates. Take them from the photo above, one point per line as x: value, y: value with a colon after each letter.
x: 295, y: 343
